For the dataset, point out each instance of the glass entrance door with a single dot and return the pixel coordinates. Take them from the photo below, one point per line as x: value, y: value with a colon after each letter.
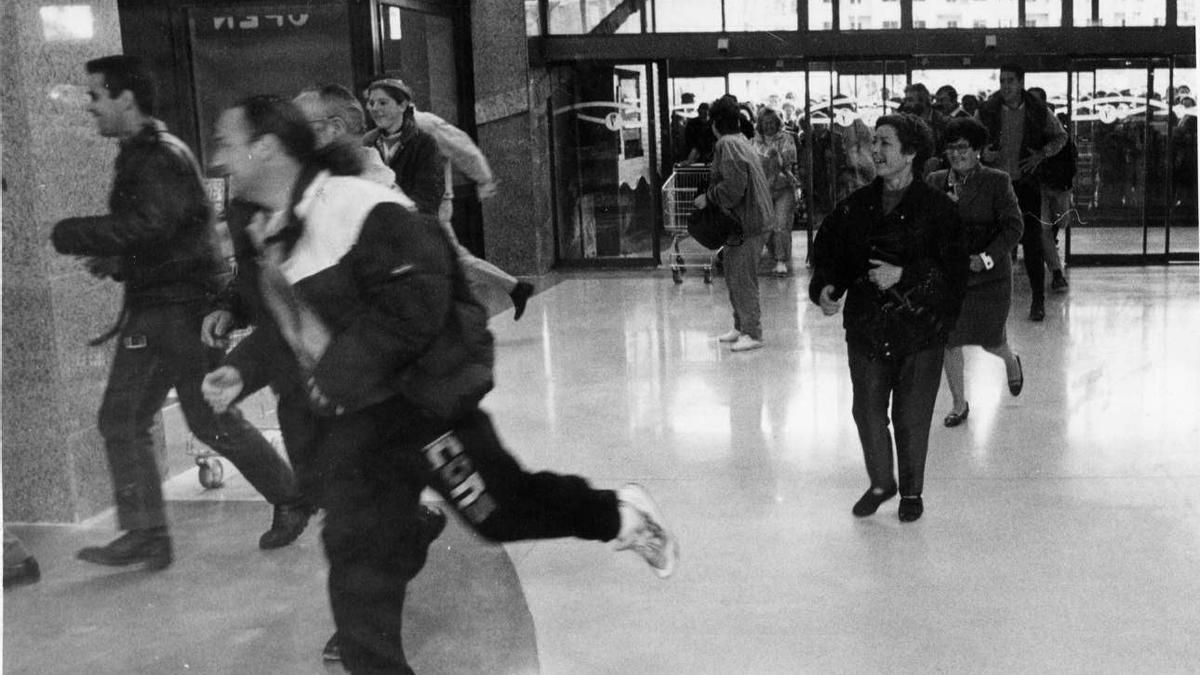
x: 604, y: 126
x: 1120, y: 125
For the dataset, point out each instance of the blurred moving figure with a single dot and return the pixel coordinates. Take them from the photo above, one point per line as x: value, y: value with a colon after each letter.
x: 367, y: 306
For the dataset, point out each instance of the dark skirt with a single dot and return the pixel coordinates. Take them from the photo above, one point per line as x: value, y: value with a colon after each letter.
x: 984, y: 315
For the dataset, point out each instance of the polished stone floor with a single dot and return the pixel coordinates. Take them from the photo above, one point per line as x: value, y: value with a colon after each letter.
x: 1061, y: 533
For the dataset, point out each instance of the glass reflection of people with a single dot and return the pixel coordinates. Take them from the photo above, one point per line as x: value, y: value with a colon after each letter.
x: 1184, y: 158
x: 778, y: 150
x: 852, y: 151
x: 895, y: 249
x: 992, y: 226
x: 737, y: 184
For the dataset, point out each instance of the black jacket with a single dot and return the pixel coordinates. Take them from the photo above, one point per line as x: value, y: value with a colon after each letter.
x: 923, y: 235
x: 386, y: 283
x: 420, y: 167
x: 158, y: 226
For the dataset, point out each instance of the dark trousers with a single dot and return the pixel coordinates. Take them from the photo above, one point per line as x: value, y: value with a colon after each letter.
x: 299, y: 427
x: 159, y: 348
x: 910, y: 385
x: 1029, y: 198
x: 377, y: 461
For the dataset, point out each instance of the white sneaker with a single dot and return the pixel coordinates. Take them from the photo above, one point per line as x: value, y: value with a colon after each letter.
x: 745, y: 343
x: 780, y: 270
x: 731, y: 336
x: 643, y: 531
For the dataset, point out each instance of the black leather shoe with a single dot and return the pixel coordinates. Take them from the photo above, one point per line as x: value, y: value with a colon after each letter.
x: 1059, y: 283
x: 288, y: 521
x: 150, y: 547
x: 956, y: 418
x: 870, y: 501
x: 24, y: 572
x: 333, y: 649
x: 1015, y: 385
x: 911, y: 509
x: 1037, y: 311
x: 520, y: 296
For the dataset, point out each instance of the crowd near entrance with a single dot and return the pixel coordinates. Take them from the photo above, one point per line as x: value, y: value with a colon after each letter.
x: 1132, y: 121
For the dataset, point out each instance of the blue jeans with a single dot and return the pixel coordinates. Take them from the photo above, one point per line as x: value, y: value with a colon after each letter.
x: 910, y: 385
x: 159, y: 348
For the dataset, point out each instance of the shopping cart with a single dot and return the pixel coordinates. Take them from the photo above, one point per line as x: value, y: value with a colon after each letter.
x: 681, y: 188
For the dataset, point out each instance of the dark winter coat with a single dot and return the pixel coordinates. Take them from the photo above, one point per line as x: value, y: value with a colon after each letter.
x: 923, y: 235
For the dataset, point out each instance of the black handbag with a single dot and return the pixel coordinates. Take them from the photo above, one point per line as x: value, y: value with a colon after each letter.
x: 714, y: 227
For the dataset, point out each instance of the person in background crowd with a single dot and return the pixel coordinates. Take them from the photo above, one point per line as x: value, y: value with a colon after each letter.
x: 411, y: 153
x: 947, y: 104
x: 1057, y: 176
x: 992, y: 225
x: 367, y: 306
x: 970, y: 104
x: 894, y: 249
x: 917, y: 101
x: 791, y: 121
x: 778, y: 150
x: 700, y: 138
x: 158, y: 241
x: 737, y: 184
x: 1024, y: 132
x: 336, y: 116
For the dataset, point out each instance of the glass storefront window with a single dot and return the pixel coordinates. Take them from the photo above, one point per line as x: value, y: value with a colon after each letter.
x: 770, y: 89
x: 579, y: 17
x: 869, y: 14
x: 1184, y: 217
x: 1083, y: 13
x: 1133, y: 12
x: 1186, y: 13
x: 533, y: 19
x: 1043, y: 13
x: 820, y: 15
x: 760, y: 15
x: 605, y: 161
x: 964, y: 13
x: 686, y: 16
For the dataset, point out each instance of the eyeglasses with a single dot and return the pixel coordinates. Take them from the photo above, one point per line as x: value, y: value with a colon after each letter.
x: 959, y: 147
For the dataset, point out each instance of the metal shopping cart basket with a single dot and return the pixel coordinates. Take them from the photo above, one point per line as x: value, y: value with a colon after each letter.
x: 681, y: 188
